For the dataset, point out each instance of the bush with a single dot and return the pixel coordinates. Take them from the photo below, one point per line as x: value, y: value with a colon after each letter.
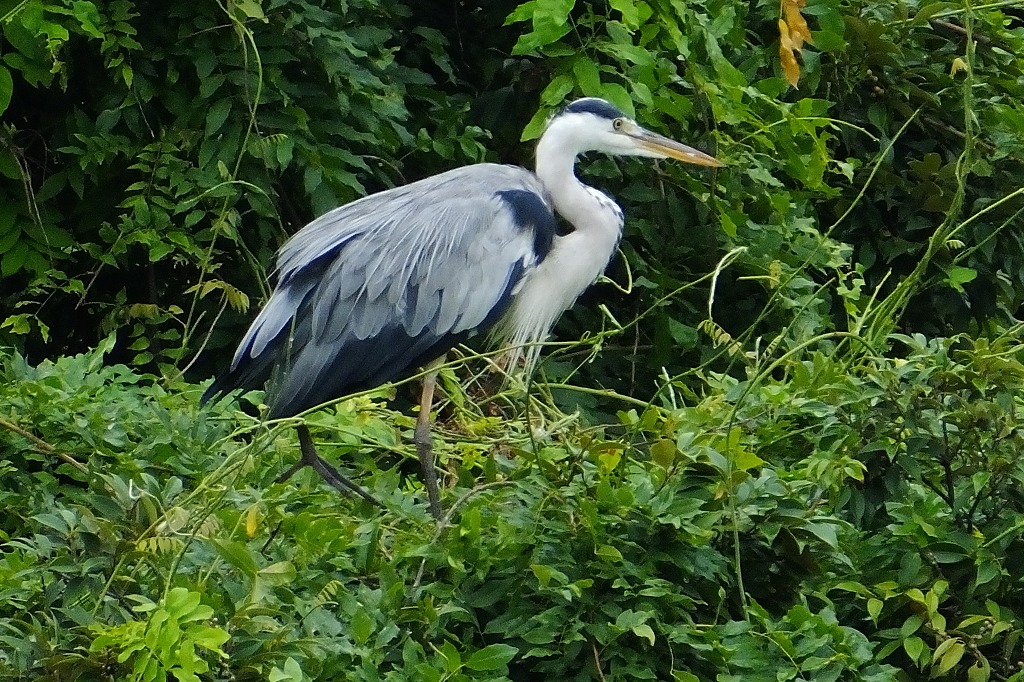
x: 801, y: 462
x: 810, y: 535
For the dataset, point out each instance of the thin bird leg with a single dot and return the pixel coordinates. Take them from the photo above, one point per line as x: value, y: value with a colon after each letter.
x: 332, y: 476
x: 424, y: 445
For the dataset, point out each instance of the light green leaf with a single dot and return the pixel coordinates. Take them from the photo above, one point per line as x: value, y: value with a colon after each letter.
x: 251, y: 9
x: 628, y: 10
x: 545, y: 574
x: 208, y: 637
x: 362, y: 626
x: 914, y: 646
x: 947, y: 654
x: 281, y: 573
x: 291, y: 672
x: 874, y: 608
x: 491, y: 657
x: 979, y: 672
x: 644, y: 630
x: 956, y: 276
x: 236, y: 554
x: 608, y: 553
x: 683, y: 676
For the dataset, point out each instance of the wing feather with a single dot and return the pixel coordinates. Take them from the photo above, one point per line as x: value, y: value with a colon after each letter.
x: 370, y: 291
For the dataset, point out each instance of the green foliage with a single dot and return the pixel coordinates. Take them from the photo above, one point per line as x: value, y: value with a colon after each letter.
x: 919, y: 454
x: 120, y: 198
x: 882, y: 146
x: 742, y: 473
x: 160, y: 645
x: 844, y: 523
x: 579, y: 551
x: 152, y: 206
x: 838, y: 521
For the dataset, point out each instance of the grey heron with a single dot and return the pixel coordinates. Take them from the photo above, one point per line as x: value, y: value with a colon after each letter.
x: 373, y: 290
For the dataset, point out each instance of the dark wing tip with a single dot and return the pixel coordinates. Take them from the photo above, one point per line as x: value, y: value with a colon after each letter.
x: 211, y: 392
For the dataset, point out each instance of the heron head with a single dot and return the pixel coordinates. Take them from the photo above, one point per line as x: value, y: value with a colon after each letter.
x: 598, y: 125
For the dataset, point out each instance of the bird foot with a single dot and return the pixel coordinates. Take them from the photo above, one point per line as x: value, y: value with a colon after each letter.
x: 311, y: 458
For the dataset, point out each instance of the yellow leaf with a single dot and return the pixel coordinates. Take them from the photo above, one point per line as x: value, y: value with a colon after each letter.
x: 609, y: 461
x: 798, y: 31
x: 787, y: 54
x: 252, y: 517
x: 958, y: 65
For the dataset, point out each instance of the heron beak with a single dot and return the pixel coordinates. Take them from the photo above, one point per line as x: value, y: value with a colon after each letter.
x: 665, y: 147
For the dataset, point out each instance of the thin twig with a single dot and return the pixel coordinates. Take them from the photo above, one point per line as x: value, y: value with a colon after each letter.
x: 446, y: 521
x: 42, y: 446
x: 957, y: 28
x: 597, y: 661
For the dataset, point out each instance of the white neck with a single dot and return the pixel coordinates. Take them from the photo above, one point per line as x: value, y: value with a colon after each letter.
x: 576, y: 259
x: 585, y: 208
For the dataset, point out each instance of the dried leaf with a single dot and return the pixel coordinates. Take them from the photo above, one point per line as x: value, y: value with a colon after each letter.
x: 798, y: 31
x: 787, y: 53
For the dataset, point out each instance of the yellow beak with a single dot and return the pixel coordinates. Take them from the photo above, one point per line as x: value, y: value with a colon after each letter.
x: 666, y: 147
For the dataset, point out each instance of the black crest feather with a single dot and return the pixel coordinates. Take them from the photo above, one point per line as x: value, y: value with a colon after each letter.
x: 595, y: 106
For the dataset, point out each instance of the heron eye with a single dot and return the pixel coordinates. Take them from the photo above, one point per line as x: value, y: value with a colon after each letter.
x: 617, y: 124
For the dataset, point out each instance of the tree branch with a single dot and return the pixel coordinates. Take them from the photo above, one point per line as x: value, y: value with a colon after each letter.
x: 41, y: 446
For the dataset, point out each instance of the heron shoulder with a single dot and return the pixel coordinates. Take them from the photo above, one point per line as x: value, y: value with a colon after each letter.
x: 458, y: 202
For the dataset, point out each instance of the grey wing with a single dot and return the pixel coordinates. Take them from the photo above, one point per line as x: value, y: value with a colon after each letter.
x: 374, y: 289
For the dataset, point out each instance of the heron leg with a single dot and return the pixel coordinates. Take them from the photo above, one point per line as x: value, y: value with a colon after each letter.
x: 424, y: 444
x: 332, y: 476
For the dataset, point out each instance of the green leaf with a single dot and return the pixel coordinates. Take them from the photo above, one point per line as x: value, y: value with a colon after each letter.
x: 207, y: 637
x: 744, y: 460
x: 545, y: 574
x: 619, y: 96
x: 280, y: 573
x: 874, y: 609
x: 947, y: 655
x: 987, y: 572
x: 18, y: 324
x: 237, y: 554
x: 630, y: 619
x: 491, y: 657
x: 957, y: 276
x: 6, y: 88
x: 362, y: 626
x: 88, y: 17
x: 628, y: 9
x: 216, y: 116
x: 915, y: 648
x: 979, y: 672
x: 644, y: 630
x: 608, y: 553
x: 250, y: 9
x: 554, y: 94
x: 683, y: 676
x: 451, y: 657
x: 290, y: 672
x: 550, y: 22
x: 14, y: 259
x: 587, y: 76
